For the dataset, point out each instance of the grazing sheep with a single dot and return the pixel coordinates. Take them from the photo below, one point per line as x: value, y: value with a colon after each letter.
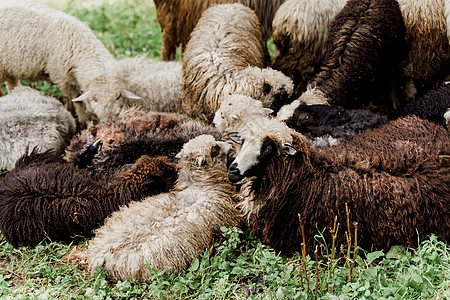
x: 427, y: 34
x: 159, y: 84
x: 326, y: 125
x: 224, y: 56
x: 29, y: 119
x: 167, y: 231
x: 395, y: 180
x: 41, y: 43
x: 44, y: 196
x: 179, y: 18
x: 132, y: 134
x: 365, y: 43
x: 431, y: 106
x: 300, y: 30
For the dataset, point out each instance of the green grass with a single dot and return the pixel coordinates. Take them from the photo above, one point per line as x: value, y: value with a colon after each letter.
x: 232, y: 268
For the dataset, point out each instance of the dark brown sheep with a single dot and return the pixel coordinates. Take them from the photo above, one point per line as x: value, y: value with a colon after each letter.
x: 395, y: 180
x: 45, y: 196
x: 431, y: 106
x: 131, y: 135
x: 365, y: 44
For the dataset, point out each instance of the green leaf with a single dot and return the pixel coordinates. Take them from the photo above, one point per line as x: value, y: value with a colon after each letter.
x: 370, y: 257
x: 194, y: 265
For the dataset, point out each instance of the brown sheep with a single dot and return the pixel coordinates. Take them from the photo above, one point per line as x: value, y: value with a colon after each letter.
x: 45, y: 196
x: 395, y: 180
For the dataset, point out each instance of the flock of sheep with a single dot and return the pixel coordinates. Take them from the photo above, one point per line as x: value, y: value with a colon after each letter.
x: 352, y: 111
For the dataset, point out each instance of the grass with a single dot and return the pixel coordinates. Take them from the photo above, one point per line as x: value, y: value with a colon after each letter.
x: 235, y: 267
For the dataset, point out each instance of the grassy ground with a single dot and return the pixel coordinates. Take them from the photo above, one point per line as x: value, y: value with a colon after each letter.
x: 235, y: 267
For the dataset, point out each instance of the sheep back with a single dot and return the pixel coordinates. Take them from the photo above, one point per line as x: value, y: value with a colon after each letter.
x: 395, y: 180
x: 29, y: 119
x: 365, y: 41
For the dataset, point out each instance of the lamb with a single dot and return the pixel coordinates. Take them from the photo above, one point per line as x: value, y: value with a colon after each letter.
x: 29, y: 119
x: 167, y: 231
x: 45, y: 196
x: 395, y: 180
x: 224, y: 56
x: 132, y: 134
x: 431, y: 106
x: 159, y: 84
x: 365, y: 43
x: 427, y: 37
x: 178, y: 19
x: 41, y: 43
x: 300, y: 30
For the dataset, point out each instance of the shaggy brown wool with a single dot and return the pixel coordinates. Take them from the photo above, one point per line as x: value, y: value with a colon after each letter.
x: 395, y: 180
x: 365, y: 42
x: 44, y: 196
x: 131, y: 135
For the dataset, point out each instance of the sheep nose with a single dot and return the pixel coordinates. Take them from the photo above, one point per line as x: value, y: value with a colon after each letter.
x: 234, y: 175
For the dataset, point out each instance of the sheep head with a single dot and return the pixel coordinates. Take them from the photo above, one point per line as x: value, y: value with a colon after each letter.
x: 271, y: 87
x: 204, y: 151
x: 235, y: 110
x: 106, y: 99
x: 261, y: 140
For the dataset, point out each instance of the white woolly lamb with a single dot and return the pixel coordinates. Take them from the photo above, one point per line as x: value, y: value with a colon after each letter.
x: 29, y: 119
x: 41, y: 43
x: 225, y: 56
x: 159, y: 84
x: 168, y: 230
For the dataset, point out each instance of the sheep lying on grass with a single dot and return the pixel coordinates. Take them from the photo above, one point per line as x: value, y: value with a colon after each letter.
x: 225, y: 56
x: 168, y: 230
x: 159, y: 84
x: 132, y: 134
x: 44, y: 196
x: 179, y: 17
x: 41, y: 43
x: 395, y: 180
x: 29, y: 119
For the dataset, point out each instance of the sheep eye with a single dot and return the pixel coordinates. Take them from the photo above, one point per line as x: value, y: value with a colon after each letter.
x: 266, y: 88
x: 235, y: 137
x: 268, y: 150
x: 215, y: 151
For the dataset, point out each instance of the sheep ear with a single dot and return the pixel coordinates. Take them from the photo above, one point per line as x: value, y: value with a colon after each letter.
x: 289, y: 149
x: 130, y: 95
x: 268, y: 111
x: 82, y: 97
x: 235, y: 137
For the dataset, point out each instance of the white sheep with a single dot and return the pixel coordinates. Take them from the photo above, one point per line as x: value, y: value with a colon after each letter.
x: 225, y: 56
x: 41, y: 43
x: 300, y: 29
x: 29, y: 119
x: 167, y: 231
x: 236, y: 111
x: 159, y: 84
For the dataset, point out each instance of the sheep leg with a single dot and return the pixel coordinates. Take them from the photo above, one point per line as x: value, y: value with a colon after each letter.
x: 169, y: 47
x: 11, y: 84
